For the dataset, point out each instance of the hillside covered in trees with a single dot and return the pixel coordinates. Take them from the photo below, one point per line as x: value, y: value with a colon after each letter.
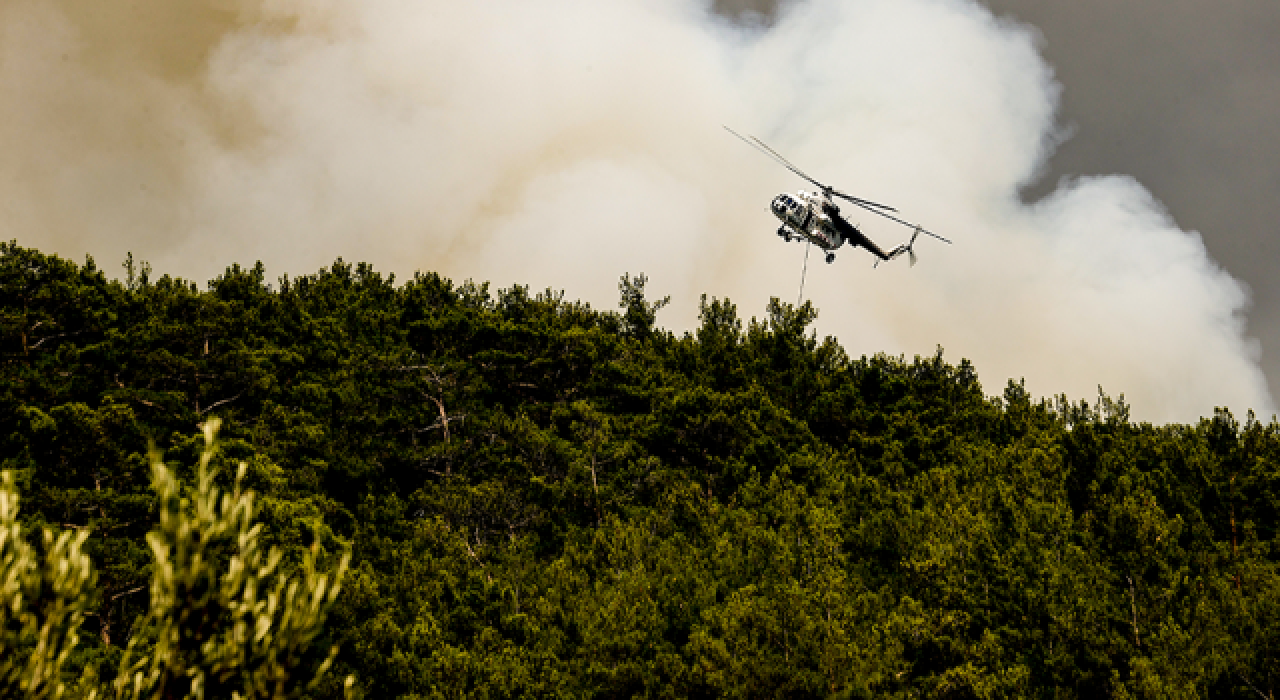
x: 544, y: 499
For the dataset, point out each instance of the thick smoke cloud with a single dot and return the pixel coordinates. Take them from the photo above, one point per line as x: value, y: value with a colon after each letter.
x: 1185, y: 96
x: 563, y: 142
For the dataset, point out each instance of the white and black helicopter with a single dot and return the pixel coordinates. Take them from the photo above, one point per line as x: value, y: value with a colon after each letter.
x: 815, y: 218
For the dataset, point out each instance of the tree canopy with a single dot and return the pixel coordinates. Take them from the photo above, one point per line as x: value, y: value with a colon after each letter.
x: 545, y: 499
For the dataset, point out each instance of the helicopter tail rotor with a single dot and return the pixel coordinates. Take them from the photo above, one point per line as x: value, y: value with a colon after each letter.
x: 909, y: 248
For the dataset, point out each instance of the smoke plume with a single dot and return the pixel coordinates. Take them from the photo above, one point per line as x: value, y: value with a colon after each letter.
x: 560, y: 143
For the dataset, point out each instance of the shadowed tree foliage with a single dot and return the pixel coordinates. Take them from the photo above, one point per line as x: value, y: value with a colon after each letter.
x: 545, y: 499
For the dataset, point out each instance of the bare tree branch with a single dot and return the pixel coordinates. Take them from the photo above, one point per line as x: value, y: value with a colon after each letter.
x: 1261, y: 694
x: 131, y: 591
x: 218, y: 403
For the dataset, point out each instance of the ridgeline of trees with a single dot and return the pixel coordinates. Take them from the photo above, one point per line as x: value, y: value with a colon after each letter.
x: 543, y: 499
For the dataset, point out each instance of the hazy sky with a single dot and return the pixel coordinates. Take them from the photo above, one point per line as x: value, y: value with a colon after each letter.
x: 564, y: 142
x: 1184, y: 95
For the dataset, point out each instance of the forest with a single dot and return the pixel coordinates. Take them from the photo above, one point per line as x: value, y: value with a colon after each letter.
x: 538, y: 498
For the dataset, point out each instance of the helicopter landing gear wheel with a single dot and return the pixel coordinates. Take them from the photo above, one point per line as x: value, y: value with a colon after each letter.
x: 782, y: 232
x: 831, y: 257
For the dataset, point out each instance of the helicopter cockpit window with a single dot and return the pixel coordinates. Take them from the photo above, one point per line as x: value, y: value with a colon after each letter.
x: 784, y: 205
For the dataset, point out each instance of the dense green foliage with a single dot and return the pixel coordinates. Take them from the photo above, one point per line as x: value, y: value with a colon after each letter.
x: 546, y: 499
x: 43, y: 598
x: 226, y: 620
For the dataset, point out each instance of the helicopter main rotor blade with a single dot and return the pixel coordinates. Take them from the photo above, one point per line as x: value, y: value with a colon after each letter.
x: 825, y: 188
x: 764, y: 148
x: 759, y: 145
x: 904, y: 223
x: 862, y: 202
x: 781, y: 158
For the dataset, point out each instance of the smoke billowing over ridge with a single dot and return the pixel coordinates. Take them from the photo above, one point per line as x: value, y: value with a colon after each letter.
x: 563, y: 142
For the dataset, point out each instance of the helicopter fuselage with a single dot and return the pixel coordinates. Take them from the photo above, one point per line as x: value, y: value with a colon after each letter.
x: 804, y: 215
x: 815, y: 218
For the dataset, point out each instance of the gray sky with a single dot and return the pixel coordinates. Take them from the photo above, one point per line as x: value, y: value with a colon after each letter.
x: 1184, y: 95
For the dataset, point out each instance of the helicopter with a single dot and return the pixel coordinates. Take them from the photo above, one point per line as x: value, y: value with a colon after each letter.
x: 815, y: 218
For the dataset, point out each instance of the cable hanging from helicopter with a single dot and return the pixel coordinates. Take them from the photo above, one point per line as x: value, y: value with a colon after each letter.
x: 815, y: 218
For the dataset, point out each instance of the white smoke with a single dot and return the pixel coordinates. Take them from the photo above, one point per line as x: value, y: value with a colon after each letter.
x: 561, y: 143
